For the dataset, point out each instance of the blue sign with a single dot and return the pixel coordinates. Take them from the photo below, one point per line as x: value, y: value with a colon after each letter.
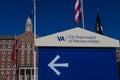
x: 77, y: 64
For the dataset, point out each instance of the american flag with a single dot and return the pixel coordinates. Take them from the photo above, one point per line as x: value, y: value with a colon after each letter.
x: 78, y: 11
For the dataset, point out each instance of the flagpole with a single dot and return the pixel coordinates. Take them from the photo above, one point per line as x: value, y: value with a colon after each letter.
x: 14, y: 58
x: 34, y: 39
x: 83, y: 25
x: 14, y: 45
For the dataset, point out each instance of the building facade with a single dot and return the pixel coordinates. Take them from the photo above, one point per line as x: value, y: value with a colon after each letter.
x: 6, y: 65
x: 23, y: 70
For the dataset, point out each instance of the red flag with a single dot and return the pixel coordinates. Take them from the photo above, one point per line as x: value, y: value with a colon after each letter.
x: 16, y: 44
x: 78, y: 11
x: 15, y: 50
x: 12, y: 55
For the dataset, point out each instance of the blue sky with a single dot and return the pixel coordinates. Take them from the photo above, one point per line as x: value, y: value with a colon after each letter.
x: 58, y: 15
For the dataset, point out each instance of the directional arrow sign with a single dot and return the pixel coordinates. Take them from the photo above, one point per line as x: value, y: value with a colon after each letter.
x: 52, y: 65
x: 56, y: 63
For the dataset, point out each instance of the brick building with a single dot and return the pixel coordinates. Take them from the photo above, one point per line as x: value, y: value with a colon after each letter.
x: 24, y: 57
x: 6, y: 65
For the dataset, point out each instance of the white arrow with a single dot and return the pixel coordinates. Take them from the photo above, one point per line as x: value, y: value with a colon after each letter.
x: 52, y: 65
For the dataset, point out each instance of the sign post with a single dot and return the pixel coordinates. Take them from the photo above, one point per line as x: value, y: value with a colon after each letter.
x: 77, y: 54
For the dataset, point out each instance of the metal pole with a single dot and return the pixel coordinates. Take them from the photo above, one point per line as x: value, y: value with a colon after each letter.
x: 14, y: 69
x: 83, y: 25
x: 34, y: 39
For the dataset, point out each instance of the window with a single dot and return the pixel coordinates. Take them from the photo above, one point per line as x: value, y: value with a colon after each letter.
x: 8, y: 72
x: 3, y: 52
x: 9, y: 52
x: 28, y: 71
x: 28, y: 28
x: 28, y: 38
x: 23, y: 45
x: 4, y: 41
x: 9, y: 41
x: 8, y: 65
x: 3, y: 58
x: 22, y: 72
x: 3, y: 45
x: 8, y: 58
x: 2, y: 71
x: 22, y: 39
x: 22, y: 51
x: 28, y: 45
x: 2, y: 65
x: 9, y: 45
x: 22, y: 58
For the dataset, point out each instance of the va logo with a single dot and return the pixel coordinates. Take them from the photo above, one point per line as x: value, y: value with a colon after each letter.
x: 60, y: 38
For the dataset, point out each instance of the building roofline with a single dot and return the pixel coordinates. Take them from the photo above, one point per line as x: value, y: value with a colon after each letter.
x: 2, y: 37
